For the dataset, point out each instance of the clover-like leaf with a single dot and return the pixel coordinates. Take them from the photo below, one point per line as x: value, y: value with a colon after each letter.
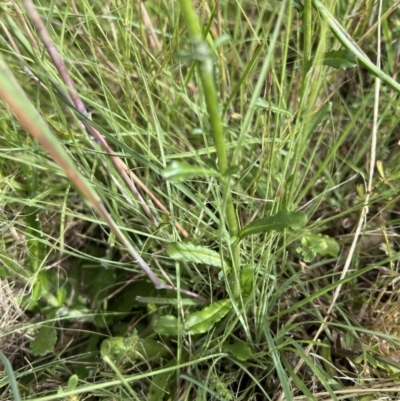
x: 318, y: 244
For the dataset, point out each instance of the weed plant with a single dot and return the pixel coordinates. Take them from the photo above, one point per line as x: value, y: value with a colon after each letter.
x: 198, y: 200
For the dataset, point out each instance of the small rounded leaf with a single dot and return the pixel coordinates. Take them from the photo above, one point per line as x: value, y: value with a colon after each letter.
x: 239, y: 349
x: 167, y: 325
x: 44, y: 341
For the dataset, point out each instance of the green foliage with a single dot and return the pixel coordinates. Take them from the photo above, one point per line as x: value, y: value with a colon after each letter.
x: 44, y: 341
x: 247, y: 280
x: 122, y: 350
x: 342, y: 59
x: 72, y: 382
x: 186, y: 252
x: 179, y: 172
x: 239, y: 349
x: 204, y: 320
x: 267, y: 105
x: 167, y: 325
x: 11, y: 377
x: 160, y: 384
x: 218, y: 116
x: 317, y: 244
x: 277, y: 222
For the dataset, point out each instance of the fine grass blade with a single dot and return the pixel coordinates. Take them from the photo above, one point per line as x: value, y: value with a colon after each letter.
x: 348, y: 42
x: 14, y: 96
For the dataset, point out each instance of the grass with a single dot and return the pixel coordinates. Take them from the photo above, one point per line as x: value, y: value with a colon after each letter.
x: 202, y: 204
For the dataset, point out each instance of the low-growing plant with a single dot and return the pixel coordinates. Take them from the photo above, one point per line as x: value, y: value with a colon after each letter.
x: 199, y: 199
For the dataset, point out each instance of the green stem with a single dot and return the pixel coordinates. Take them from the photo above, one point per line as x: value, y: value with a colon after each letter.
x: 348, y: 42
x: 202, y: 52
x: 307, y: 40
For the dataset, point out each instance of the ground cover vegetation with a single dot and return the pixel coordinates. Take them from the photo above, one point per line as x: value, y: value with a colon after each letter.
x: 199, y: 200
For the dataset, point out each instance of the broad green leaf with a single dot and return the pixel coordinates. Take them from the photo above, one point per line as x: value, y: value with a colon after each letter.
x: 267, y: 105
x: 317, y: 244
x: 167, y: 325
x: 246, y: 280
x: 278, y: 222
x: 72, y: 383
x: 151, y: 349
x: 181, y: 171
x: 44, y: 341
x: 202, y: 321
x: 37, y: 291
x: 340, y: 59
x: 186, y: 252
x: 239, y: 349
x: 61, y: 296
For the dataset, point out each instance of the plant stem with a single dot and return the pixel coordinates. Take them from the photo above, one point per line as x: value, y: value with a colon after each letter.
x: 202, y: 53
x: 307, y: 39
x: 307, y: 34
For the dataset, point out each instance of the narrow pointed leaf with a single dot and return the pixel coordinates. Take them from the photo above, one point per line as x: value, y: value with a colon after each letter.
x: 278, y: 222
x: 181, y: 171
x: 267, y: 105
x: 185, y: 252
x: 204, y: 320
x: 340, y: 59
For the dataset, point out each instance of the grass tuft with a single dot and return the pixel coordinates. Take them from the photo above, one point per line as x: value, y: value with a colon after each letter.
x: 199, y: 200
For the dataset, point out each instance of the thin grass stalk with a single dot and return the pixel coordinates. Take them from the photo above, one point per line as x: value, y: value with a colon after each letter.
x: 202, y: 53
x: 347, y: 41
x: 307, y: 40
x: 122, y: 168
x: 14, y: 96
x: 262, y: 76
x: 379, y: 76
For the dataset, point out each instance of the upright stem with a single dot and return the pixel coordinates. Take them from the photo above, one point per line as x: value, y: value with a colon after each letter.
x: 307, y: 39
x: 202, y: 52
